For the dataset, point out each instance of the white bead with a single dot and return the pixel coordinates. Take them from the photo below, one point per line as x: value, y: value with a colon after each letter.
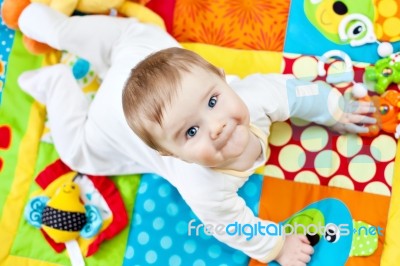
x: 385, y: 49
x: 359, y: 90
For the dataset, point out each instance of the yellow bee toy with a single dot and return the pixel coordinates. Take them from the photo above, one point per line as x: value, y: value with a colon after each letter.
x: 63, y: 216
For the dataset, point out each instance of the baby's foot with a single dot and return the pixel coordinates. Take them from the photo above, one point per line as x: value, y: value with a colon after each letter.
x: 37, y: 83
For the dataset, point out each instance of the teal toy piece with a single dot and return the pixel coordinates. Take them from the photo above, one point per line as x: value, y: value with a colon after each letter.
x: 34, y: 210
x: 385, y: 72
x: 80, y: 68
x: 93, y: 222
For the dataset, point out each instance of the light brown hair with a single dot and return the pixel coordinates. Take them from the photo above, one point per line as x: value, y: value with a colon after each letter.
x: 152, y: 86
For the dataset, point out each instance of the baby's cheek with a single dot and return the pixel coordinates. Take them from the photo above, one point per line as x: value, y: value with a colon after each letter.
x: 206, y: 156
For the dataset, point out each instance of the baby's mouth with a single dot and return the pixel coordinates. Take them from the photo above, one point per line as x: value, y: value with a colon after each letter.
x: 323, y: 21
x: 226, y: 135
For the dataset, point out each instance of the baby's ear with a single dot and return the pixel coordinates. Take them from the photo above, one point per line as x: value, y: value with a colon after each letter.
x: 222, y: 71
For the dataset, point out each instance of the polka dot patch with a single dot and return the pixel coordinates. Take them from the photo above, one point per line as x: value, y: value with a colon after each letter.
x: 383, y: 148
x: 387, y: 22
x: 63, y: 220
x: 274, y: 171
x: 305, y: 68
x: 315, y: 154
x: 292, y: 158
x: 389, y: 173
x: 341, y: 181
x: 362, y: 168
x: 159, y: 233
x: 327, y: 163
x: 314, y: 138
x: 377, y: 187
x: 281, y: 133
x: 299, y: 122
x: 364, y: 243
x: 307, y: 177
x: 387, y: 8
x: 349, y: 145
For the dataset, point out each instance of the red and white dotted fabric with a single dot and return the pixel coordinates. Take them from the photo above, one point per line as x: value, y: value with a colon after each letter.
x: 306, y: 152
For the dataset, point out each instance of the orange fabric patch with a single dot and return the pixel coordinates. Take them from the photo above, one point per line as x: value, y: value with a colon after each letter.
x: 241, y: 24
x: 290, y: 197
x: 387, y: 20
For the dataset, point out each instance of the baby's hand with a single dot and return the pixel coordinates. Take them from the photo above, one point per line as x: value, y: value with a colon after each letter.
x: 353, y: 118
x: 296, y: 251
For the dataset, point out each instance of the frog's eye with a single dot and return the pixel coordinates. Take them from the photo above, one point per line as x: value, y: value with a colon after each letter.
x: 386, y: 72
x: 384, y: 109
x: 340, y: 8
x: 356, y: 30
x: 332, y: 233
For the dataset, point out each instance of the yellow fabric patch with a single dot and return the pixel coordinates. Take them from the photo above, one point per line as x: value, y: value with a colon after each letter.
x: 391, y: 254
x: 238, y: 62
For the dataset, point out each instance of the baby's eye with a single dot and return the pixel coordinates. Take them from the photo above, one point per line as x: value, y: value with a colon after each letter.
x: 191, y: 132
x: 212, y: 102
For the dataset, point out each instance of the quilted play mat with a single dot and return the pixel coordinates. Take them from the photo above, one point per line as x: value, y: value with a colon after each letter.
x: 311, y: 171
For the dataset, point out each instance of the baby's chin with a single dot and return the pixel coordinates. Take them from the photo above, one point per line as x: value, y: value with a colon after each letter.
x: 237, y: 143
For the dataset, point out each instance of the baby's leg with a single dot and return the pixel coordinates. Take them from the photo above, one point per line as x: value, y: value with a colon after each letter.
x: 66, y: 104
x: 78, y: 140
x: 91, y: 37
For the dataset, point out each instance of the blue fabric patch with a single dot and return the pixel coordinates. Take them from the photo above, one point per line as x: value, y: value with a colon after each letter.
x: 159, y: 230
x: 6, y: 41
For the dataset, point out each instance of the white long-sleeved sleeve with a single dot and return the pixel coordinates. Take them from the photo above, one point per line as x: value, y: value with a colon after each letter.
x: 213, y: 198
x: 280, y: 97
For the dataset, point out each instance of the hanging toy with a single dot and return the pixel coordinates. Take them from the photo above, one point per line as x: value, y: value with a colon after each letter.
x: 64, y: 218
x: 358, y: 90
x: 385, y: 72
x: 387, y: 114
x: 359, y: 30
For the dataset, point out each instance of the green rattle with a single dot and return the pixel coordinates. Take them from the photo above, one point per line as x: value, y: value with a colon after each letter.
x: 385, y: 72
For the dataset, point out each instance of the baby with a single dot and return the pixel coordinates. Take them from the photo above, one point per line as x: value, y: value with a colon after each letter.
x: 94, y: 138
x: 181, y: 106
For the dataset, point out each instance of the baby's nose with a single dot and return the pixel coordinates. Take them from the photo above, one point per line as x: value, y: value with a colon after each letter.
x: 216, y: 130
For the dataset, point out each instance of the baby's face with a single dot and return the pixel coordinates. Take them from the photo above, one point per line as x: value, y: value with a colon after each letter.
x: 207, y: 123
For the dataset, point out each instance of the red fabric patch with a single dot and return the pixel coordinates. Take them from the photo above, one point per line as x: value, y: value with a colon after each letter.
x: 5, y: 137
x: 165, y: 9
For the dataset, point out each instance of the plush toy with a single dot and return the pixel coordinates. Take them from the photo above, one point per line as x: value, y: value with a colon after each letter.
x: 352, y: 22
x: 12, y: 9
x: 387, y: 113
x: 63, y: 216
x: 75, y: 212
x: 385, y: 72
x: 331, y: 230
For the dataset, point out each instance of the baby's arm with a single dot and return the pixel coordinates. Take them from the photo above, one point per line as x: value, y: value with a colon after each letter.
x: 213, y: 198
x: 320, y: 103
x: 282, y: 96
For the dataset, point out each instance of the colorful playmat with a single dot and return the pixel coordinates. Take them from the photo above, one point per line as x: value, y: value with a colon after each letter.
x: 311, y: 172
